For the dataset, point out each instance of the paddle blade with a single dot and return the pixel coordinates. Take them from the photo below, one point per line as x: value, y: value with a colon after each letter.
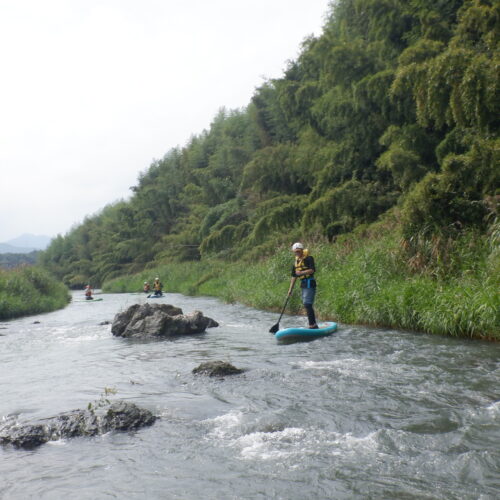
x: 274, y: 328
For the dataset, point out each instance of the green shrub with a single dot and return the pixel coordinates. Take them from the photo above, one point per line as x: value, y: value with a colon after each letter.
x: 30, y: 290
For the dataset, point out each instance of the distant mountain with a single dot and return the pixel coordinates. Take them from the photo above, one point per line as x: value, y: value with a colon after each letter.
x: 25, y: 243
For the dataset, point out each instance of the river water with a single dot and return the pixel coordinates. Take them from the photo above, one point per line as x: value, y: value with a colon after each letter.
x: 364, y: 413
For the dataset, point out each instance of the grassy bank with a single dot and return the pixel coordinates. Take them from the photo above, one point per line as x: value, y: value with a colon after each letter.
x: 29, y: 290
x: 362, y: 279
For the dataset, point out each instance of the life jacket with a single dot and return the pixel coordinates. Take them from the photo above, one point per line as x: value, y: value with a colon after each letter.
x: 299, y: 263
x: 88, y: 293
x: 300, y: 266
x: 157, y: 286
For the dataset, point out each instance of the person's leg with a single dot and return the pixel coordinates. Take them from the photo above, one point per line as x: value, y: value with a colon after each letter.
x: 311, y: 317
x: 308, y: 295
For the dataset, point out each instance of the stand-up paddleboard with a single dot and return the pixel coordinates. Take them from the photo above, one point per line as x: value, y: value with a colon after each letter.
x: 88, y: 300
x: 306, y: 333
x: 152, y: 296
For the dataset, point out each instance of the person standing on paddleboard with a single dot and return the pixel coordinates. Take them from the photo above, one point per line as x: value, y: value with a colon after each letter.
x: 304, y: 270
x: 158, y: 287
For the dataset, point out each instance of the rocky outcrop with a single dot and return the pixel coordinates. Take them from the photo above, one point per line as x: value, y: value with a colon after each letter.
x: 120, y: 416
x: 216, y: 369
x: 158, y: 320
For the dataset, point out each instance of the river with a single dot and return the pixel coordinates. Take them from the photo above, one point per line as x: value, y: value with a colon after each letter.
x: 364, y: 413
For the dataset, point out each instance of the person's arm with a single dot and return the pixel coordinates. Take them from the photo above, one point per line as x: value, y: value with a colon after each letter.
x: 306, y: 272
x: 292, y: 281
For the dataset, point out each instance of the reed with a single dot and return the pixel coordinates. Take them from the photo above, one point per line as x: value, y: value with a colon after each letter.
x: 30, y: 290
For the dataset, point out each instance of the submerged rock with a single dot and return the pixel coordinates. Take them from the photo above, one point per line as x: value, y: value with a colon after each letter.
x: 216, y: 369
x: 120, y: 416
x: 159, y: 320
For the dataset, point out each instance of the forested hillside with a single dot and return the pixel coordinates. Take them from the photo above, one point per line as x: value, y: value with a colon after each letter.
x: 13, y: 260
x: 395, y: 107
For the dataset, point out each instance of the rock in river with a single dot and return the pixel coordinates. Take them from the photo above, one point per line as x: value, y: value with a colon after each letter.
x: 120, y: 415
x: 216, y: 369
x: 158, y: 320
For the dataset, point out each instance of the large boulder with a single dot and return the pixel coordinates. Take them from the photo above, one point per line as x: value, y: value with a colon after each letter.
x: 158, y: 320
x: 138, y: 313
x: 120, y: 415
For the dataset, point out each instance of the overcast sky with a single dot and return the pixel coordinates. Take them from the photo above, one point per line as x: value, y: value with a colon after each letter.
x: 91, y: 91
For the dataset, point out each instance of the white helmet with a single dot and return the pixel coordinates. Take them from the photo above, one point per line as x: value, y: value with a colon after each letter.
x: 297, y: 246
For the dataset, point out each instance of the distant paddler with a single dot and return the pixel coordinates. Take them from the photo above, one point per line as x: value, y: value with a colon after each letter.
x: 157, y: 287
x: 88, y: 293
x: 147, y: 287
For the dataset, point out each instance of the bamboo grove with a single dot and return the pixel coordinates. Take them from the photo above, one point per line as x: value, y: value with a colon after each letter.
x: 393, y: 108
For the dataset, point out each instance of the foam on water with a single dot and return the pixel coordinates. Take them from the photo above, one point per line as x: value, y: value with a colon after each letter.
x: 234, y: 429
x: 226, y: 425
x: 271, y: 445
x: 298, y: 443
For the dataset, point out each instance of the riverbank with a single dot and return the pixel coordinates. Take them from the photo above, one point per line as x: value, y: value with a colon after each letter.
x: 363, y: 278
x: 30, y: 290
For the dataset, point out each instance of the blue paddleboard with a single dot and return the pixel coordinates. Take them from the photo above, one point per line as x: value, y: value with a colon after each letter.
x: 324, y: 329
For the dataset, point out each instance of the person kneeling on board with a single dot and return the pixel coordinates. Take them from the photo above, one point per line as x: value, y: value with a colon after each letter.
x: 303, y: 269
x: 88, y: 293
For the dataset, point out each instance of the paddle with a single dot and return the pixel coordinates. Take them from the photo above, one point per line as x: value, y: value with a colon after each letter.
x: 276, y: 327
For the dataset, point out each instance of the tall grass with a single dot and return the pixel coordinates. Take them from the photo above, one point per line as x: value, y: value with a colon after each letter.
x: 362, y: 279
x: 30, y: 290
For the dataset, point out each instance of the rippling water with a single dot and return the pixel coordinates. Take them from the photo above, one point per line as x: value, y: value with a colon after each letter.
x: 364, y: 413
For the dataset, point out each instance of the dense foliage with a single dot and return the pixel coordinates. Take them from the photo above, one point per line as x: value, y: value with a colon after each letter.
x: 30, y: 290
x: 394, y: 107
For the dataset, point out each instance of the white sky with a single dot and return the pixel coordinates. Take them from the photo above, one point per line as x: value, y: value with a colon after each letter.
x: 91, y: 91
